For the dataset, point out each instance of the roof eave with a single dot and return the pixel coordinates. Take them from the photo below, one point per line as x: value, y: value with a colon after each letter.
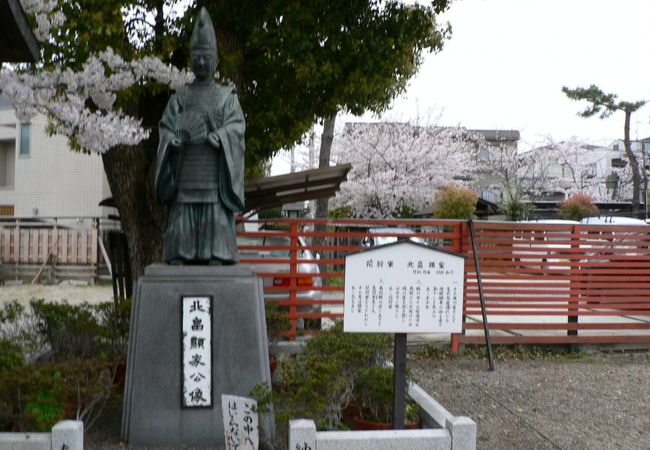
x: 17, y: 40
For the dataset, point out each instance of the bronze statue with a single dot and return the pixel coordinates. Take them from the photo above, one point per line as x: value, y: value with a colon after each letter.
x: 200, y: 161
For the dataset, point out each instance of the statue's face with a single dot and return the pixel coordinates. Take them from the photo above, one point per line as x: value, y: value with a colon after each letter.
x: 203, y: 64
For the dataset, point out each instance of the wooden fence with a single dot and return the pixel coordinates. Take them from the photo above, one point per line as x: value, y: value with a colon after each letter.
x: 62, y: 247
x: 559, y: 284
x: 542, y: 283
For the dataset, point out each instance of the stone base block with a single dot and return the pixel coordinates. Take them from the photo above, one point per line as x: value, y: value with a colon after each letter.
x: 152, y: 414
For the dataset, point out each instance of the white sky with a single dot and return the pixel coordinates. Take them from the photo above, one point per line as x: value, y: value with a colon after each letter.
x: 507, y: 60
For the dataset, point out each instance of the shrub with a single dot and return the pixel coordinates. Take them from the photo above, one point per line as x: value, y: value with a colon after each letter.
x: 577, y: 207
x: 373, y: 395
x: 277, y: 321
x: 35, y: 397
x: 11, y: 355
x: 19, y: 340
x: 67, y: 330
x: 81, y: 331
x: 58, y: 362
x: 453, y: 202
x: 342, y: 212
x: 114, y: 319
x: 318, y: 382
x: 516, y: 210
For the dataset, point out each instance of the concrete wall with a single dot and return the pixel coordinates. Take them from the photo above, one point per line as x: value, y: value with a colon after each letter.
x: 51, y: 181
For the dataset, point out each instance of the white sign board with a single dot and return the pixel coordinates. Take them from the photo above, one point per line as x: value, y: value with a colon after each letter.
x: 197, y: 352
x: 403, y: 288
x: 240, y: 422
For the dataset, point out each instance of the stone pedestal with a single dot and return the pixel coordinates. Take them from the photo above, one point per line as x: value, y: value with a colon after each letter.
x: 152, y: 414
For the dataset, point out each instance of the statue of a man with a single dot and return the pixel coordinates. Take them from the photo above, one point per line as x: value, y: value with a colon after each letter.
x: 200, y: 161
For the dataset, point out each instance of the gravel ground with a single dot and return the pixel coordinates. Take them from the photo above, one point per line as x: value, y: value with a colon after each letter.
x: 72, y: 292
x: 598, y: 401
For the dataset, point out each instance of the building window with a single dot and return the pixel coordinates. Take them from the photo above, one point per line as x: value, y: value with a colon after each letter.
x: 616, y: 147
x: 483, y: 154
x: 25, y: 132
x: 7, y: 164
x: 6, y: 210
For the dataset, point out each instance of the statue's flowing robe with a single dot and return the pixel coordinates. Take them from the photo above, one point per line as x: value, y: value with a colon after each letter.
x: 202, y: 185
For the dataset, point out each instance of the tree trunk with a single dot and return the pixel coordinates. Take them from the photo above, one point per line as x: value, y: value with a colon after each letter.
x: 130, y: 173
x: 322, y: 204
x: 324, y: 160
x: 634, y: 165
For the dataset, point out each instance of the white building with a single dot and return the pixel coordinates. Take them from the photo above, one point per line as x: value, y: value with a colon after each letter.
x: 637, y: 146
x: 572, y: 166
x: 41, y: 177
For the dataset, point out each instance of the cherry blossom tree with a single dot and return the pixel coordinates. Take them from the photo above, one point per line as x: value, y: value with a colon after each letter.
x: 513, y: 175
x: 398, y: 167
x: 108, y: 68
x: 577, y: 167
x: 101, y: 84
x: 567, y: 167
x: 81, y: 104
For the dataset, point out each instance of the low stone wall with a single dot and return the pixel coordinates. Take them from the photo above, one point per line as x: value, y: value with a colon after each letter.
x: 443, y: 432
x: 67, y: 434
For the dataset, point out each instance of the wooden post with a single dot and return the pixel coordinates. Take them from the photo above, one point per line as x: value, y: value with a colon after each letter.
x: 574, y: 302
x: 55, y: 248
x: 17, y: 248
x: 458, y: 247
x: 93, y: 250
x: 293, y: 278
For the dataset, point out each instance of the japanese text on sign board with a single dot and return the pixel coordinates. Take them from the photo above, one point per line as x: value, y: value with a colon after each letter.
x: 240, y: 422
x: 396, y: 289
x: 197, y: 352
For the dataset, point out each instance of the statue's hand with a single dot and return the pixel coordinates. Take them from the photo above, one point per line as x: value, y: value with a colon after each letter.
x: 213, y: 140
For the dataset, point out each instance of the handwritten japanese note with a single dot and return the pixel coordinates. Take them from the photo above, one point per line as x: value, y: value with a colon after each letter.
x: 240, y: 422
x: 197, y: 352
x: 403, y: 288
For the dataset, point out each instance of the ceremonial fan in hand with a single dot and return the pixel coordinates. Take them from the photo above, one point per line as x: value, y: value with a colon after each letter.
x: 191, y: 128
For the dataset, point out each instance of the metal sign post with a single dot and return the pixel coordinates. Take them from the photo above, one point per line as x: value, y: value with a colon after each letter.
x: 399, y: 380
x: 479, y: 280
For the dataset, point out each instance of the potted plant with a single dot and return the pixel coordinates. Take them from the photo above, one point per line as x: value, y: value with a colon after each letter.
x: 373, y: 396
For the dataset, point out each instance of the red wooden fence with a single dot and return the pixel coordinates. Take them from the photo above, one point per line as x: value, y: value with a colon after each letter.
x: 559, y: 284
x: 542, y: 283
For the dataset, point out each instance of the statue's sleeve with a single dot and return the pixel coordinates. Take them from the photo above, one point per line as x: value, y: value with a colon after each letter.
x: 231, y: 167
x: 166, y: 159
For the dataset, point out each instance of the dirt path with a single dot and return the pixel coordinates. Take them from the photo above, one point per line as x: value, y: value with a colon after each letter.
x: 600, y: 401
x: 73, y: 294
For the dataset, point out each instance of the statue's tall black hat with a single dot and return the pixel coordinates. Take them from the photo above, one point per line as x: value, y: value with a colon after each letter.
x: 203, y: 36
